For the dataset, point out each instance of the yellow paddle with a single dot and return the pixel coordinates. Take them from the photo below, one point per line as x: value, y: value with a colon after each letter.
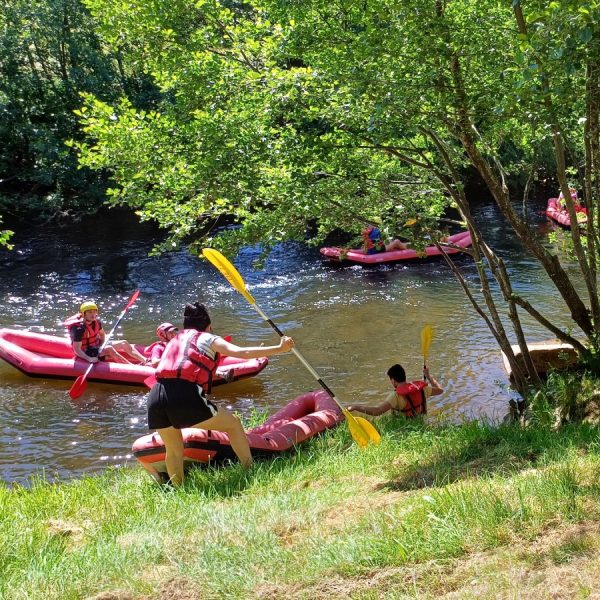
x: 426, y: 337
x: 361, y: 430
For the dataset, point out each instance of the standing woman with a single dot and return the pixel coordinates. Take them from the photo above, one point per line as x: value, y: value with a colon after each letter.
x: 184, y: 377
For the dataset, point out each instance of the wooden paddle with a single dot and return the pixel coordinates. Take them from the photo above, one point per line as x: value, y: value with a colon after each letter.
x: 80, y: 383
x: 361, y: 430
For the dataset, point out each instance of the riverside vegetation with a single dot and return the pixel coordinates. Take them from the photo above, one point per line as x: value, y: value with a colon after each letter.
x: 438, y: 509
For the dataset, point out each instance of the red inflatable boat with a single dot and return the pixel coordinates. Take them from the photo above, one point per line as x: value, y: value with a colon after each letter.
x: 51, y: 356
x: 462, y: 240
x: 561, y: 216
x: 304, y: 417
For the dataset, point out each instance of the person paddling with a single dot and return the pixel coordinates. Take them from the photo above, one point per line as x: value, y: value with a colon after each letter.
x: 184, y: 377
x: 408, y: 398
x: 87, y: 337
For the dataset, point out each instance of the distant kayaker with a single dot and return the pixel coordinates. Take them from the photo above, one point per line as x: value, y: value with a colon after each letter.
x: 184, y: 376
x: 373, y: 243
x: 408, y: 398
x: 87, y: 337
x: 561, y: 199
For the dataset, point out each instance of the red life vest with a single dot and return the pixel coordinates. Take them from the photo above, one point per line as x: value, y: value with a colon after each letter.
x: 372, y: 239
x: 91, y: 333
x: 414, y: 393
x: 183, y: 359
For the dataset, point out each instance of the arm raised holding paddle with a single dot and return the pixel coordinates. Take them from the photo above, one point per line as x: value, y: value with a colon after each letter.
x: 183, y: 380
x: 362, y: 432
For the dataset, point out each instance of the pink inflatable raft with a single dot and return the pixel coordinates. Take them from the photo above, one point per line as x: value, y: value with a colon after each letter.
x: 561, y: 216
x: 301, y: 419
x: 50, y: 356
x: 462, y: 240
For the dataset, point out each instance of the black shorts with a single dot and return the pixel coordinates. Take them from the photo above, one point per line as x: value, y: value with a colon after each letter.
x: 177, y: 403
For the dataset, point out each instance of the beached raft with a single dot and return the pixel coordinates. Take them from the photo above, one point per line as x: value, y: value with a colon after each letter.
x: 357, y: 255
x: 51, y: 357
x: 301, y: 419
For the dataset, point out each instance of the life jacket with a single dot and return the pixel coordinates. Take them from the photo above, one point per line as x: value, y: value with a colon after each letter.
x: 147, y: 351
x: 414, y: 393
x: 91, y: 334
x: 372, y: 238
x: 183, y: 359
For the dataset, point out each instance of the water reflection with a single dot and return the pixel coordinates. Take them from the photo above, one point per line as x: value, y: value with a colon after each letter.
x: 350, y: 322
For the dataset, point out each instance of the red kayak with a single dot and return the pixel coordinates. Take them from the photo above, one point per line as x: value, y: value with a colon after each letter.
x: 51, y: 356
x: 561, y: 216
x: 301, y: 419
x: 357, y: 255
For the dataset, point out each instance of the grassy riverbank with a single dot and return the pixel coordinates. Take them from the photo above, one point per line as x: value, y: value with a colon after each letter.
x: 467, y: 510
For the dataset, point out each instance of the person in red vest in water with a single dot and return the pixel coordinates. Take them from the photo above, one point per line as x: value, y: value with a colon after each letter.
x: 87, y: 337
x: 183, y: 379
x: 408, y: 398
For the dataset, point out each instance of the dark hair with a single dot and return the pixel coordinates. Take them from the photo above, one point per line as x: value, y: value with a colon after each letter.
x: 397, y: 372
x: 195, y: 316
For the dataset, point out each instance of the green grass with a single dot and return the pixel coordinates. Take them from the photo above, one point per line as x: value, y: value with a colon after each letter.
x: 328, y: 512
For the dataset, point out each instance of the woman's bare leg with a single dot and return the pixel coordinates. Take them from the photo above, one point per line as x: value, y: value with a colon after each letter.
x: 125, y: 347
x: 232, y: 426
x: 173, y: 441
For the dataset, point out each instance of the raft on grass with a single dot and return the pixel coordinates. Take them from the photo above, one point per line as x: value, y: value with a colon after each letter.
x: 357, y: 255
x: 301, y: 419
x: 51, y: 357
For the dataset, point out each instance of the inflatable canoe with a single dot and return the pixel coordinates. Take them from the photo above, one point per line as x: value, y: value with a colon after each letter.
x: 561, y: 216
x: 304, y: 417
x: 50, y: 356
x: 462, y: 240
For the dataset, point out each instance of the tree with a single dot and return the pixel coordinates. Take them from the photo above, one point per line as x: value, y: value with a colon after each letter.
x: 284, y: 113
x: 49, y: 54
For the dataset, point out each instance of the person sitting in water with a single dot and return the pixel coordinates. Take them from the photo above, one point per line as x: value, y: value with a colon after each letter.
x: 373, y: 244
x: 165, y: 333
x: 87, y: 337
x: 408, y: 398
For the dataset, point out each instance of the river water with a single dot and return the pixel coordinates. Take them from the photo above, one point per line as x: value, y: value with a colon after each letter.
x: 351, y: 323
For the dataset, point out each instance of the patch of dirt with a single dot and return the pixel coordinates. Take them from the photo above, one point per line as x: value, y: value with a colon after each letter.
x: 562, y: 563
x: 74, y: 533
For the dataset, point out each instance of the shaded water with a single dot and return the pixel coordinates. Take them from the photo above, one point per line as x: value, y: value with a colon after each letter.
x: 351, y: 323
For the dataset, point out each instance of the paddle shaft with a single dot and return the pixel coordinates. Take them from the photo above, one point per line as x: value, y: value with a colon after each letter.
x: 299, y: 355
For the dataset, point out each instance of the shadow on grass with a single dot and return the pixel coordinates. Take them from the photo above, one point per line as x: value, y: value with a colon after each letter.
x: 475, y: 449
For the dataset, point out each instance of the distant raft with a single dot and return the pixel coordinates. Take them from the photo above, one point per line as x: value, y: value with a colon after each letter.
x: 51, y: 357
x: 301, y: 419
x: 461, y: 240
x: 561, y: 216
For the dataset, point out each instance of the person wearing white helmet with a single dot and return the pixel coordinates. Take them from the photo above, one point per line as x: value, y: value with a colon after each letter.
x: 165, y: 333
x: 87, y: 337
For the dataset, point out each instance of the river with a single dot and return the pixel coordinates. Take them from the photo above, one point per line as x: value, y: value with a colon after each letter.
x: 351, y: 323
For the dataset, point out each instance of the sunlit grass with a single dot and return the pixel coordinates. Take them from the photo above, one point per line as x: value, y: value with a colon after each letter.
x: 328, y: 510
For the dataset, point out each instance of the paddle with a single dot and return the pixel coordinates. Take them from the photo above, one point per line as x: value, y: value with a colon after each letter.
x: 426, y: 337
x: 361, y: 430
x: 80, y: 383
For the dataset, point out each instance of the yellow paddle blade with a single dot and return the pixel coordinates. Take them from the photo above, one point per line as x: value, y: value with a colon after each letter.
x: 426, y: 337
x: 362, y: 432
x: 228, y: 271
